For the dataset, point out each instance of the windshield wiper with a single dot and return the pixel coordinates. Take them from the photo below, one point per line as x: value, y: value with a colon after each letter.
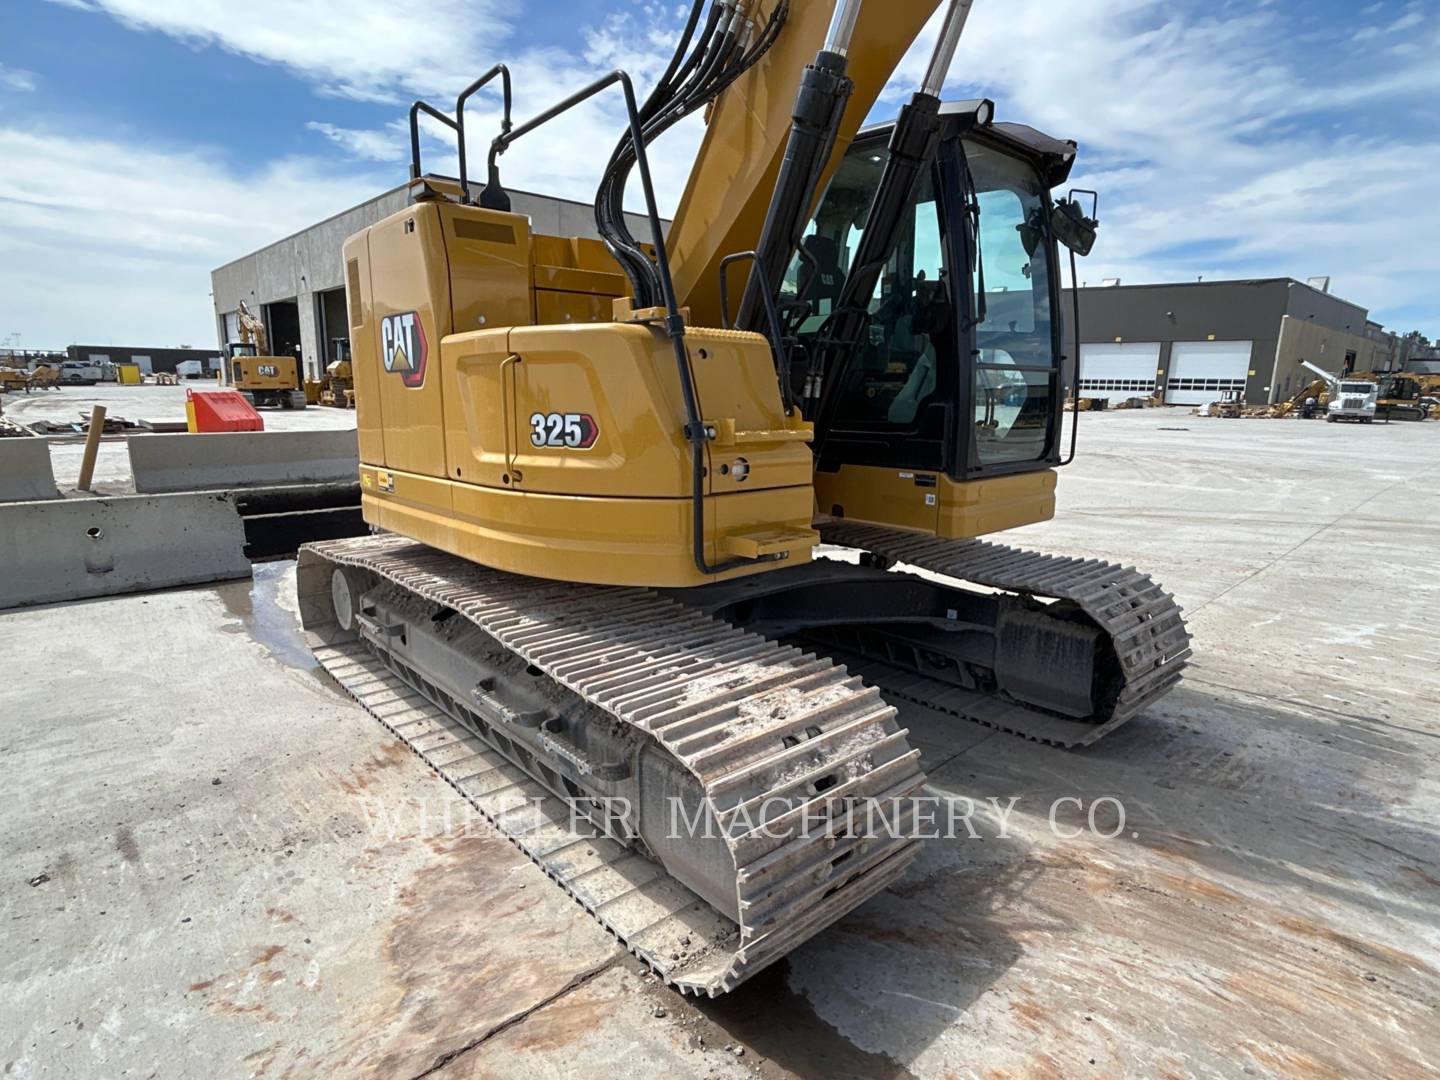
x: 972, y: 211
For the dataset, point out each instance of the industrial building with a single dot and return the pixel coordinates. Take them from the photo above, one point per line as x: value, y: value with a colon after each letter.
x: 150, y: 360
x: 1187, y: 342
x: 1192, y: 342
x: 297, y: 285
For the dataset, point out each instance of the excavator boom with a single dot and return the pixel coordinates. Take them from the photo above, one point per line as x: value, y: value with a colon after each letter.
x: 728, y: 193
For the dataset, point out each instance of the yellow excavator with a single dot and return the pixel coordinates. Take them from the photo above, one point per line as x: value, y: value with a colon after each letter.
x: 264, y: 380
x: 1407, y: 395
x: 666, y: 527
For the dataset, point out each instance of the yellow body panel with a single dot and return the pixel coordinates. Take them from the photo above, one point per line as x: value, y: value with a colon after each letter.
x: 510, y: 411
x: 458, y: 438
x: 264, y: 373
x: 490, y: 258
x: 608, y: 541
x: 554, y: 307
x: 934, y: 503
x: 410, y: 278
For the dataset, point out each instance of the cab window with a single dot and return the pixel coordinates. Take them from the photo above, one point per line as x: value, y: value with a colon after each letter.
x: 1015, y: 372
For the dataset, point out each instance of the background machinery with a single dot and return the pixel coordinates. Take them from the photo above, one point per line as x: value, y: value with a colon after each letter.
x: 339, y: 386
x: 13, y: 379
x: 1351, y: 399
x: 1406, y: 395
x: 1348, y: 397
x: 603, y: 472
x: 1316, y: 391
x: 264, y: 380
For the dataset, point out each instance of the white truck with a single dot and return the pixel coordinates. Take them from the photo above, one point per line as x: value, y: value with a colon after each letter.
x: 1350, y: 398
x: 1353, y: 399
x: 79, y: 373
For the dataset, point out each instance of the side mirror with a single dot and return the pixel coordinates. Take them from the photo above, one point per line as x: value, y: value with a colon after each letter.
x: 1032, y: 232
x: 1072, y: 228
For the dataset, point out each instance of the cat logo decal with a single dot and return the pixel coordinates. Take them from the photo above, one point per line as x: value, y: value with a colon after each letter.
x: 403, y: 348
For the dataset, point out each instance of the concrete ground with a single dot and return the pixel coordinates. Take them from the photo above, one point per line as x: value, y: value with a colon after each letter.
x: 218, y: 866
x: 68, y: 404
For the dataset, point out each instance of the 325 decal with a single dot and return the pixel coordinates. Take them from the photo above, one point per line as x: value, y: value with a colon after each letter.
x: 570, y: 431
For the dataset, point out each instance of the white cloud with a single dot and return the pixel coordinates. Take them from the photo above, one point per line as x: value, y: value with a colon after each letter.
x: 17, y: 78
x: 1405, y: 22
x: 384, y: 144
x: 1213, y: 152
x: 130, y: 259
x: 564, y: 157
x: 126, y: 256
x: 1200, y: 130
x: 389, y: 51
x: 367, y: 50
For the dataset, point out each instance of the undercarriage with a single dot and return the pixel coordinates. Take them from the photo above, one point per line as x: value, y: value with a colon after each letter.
x: 706, y: 770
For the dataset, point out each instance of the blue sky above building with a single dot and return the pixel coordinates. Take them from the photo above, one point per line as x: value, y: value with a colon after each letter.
x: 147, y: 141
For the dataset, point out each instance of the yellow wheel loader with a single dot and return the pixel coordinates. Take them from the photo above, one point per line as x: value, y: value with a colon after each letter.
x: 666, y: 526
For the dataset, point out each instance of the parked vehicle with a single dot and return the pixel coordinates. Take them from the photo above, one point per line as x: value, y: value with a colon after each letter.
x: 79, y: 373
x: 1354, y: 399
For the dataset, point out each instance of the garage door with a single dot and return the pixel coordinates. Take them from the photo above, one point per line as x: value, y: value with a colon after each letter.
x: 1201, y: 371
x: 1118, y: 371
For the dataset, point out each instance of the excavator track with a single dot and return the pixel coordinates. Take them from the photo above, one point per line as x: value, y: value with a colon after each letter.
x: 752, y: 720
x: 1142, y: 621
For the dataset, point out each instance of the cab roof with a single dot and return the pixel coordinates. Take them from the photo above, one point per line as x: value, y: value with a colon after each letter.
x: 1053, y: 158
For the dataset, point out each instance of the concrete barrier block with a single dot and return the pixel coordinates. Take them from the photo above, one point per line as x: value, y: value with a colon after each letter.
x: 71, y: 549
x: 168, y: 463
x: 25, y: 472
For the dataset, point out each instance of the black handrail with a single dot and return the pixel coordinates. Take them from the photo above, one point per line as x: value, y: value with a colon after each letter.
x: 500, y: 199
x: 696, y: 430
x: 772, y: 316
x: 415, y: 110
x: 457, y: 125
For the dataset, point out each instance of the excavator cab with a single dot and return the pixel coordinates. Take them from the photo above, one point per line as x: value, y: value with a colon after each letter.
x: 956, y: 376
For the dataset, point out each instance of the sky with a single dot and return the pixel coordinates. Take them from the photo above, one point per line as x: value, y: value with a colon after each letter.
x: 145, y: 142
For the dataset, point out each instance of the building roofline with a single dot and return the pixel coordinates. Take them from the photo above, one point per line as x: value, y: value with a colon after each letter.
x: 1189, y: 284
x: 143, y: 348
x: 388, y: 191
x: 1293, y: 282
